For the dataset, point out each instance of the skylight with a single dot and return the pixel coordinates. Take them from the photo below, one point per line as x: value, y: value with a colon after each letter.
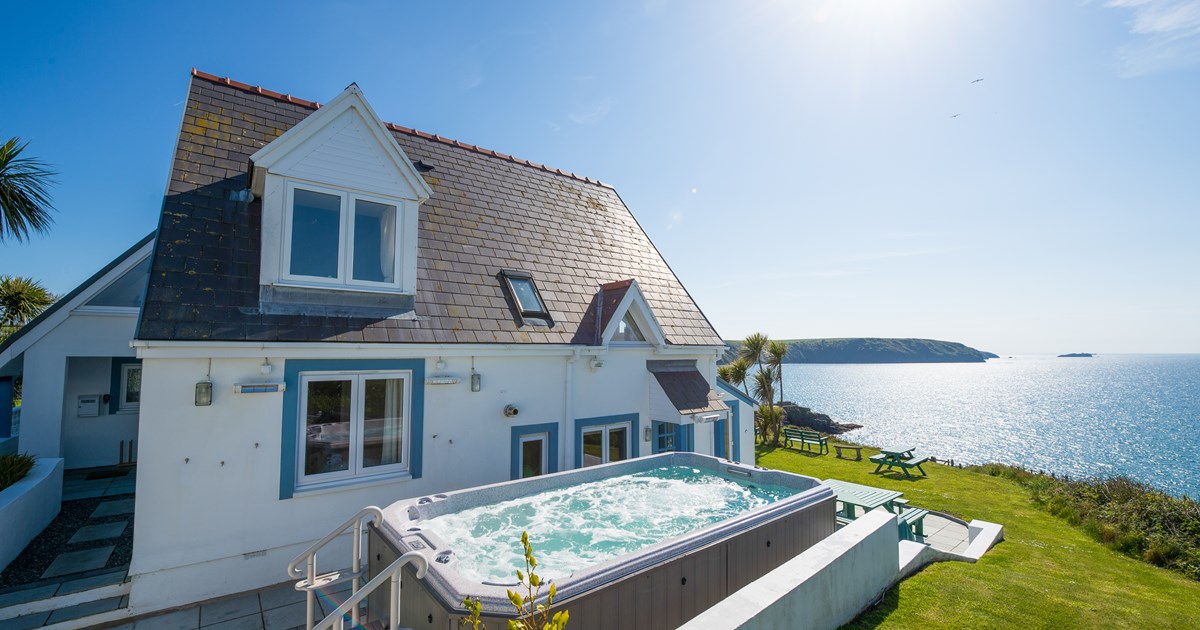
x: 525, y: 294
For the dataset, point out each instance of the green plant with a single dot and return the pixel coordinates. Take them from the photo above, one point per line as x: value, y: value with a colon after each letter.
x: 14, y: 467
x: 21, y: 299
x: 24, y: 199
x: 530, y: 614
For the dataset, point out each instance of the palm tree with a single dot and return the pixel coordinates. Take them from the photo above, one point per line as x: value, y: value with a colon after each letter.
x: 752, y: 348
x: 767, y: 416
x: 735, y: 373
x: 776, y: 353
x: 24, y: 199
x: 21, y: 299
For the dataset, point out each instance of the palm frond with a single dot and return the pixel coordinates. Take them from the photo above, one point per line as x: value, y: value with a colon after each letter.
x: 24, y: 196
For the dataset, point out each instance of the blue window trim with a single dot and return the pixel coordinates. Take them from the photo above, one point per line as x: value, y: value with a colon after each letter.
x: 719, y: 439
x: 550, y: 428
x: 581, y: 423
x: 114, y: 389
x: 657, y: 433
x: 685, y: 438
x: 735, y: 412
x: 291, y: 401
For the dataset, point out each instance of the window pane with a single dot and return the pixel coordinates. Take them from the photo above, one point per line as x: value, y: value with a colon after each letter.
x: 526, y: 296
x: 127, y: 290
x: 531, y: 457
x: 627, y: 330
x: 593, y: 448
x: 374, y: 241
x: 316, y: 233
x: 327, y: 427
x: 383, y: 422
x: 133, y: 385
x: 616, y: 444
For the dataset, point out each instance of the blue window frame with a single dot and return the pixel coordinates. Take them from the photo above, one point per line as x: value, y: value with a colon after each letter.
x: 121, y: 397
x: 292, y: 402
x: 685, y: 438
x: 534, y: 450
x: 605, y: 439
x: 664, y: 437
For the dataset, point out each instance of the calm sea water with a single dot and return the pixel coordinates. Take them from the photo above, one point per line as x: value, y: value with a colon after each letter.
x: 1134, y: 415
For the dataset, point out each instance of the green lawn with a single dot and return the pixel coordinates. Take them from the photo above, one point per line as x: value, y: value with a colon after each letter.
x: 1045, y: 573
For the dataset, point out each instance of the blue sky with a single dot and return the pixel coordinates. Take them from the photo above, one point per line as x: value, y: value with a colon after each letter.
x: 797, y: 163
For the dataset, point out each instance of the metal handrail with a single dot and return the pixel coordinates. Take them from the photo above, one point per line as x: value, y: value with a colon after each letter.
x: 392, y: 572
x: 359, y: 522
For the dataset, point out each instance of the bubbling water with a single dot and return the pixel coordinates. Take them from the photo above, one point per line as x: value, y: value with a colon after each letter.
x: 579, y: 526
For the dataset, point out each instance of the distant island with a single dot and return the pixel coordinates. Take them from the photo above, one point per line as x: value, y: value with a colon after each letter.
x: 874, y: 350
x: 1074, y: 355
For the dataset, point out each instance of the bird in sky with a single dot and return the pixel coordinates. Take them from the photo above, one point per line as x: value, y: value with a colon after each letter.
x: 955, y: 115
x: 976, y: 80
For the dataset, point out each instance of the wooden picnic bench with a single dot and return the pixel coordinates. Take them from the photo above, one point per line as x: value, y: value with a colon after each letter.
x: 857, y: 451
x: 793, y: 434
x: 912, y: 523
x: 900, y: 458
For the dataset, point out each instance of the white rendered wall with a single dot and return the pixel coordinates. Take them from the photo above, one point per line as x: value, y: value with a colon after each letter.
x: 45, y: 372
x: 93, y: 441
x: 28, y: 506
x: 209, y: 520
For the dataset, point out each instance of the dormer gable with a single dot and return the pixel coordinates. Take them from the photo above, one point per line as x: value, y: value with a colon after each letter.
x: 340, y: 200
x: 627, y: 318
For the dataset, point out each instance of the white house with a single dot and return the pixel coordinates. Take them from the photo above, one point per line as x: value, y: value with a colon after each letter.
x: 343, y: 312
x: 82, y: 382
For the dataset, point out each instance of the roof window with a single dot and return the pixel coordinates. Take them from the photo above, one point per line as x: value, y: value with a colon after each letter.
x: 526, y: 297
x: 627, y: 330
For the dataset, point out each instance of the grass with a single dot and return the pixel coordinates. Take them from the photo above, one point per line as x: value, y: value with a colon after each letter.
x: 14, y: 467
x: 1046, y: 573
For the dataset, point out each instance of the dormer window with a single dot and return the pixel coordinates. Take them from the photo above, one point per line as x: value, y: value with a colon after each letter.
x: 525, y: 296
x: 340, y: 237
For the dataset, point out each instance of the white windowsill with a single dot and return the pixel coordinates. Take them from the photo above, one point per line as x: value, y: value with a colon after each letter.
x: 336, y: 485
x: 358, y: 288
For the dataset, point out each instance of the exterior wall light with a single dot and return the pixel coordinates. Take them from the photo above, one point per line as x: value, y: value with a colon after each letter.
x: 203, y: 393
x: 476, y: 381
x: 266, y: 367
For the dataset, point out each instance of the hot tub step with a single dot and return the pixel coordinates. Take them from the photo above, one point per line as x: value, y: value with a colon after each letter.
x: 329, y: 579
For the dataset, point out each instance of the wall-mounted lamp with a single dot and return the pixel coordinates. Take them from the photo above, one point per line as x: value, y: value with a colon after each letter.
x: 476, y: 378
x: 646, y: 434
x: 203, y: 393
x: 266, y: 366
x: 596, y: 363
x: 440, y: 365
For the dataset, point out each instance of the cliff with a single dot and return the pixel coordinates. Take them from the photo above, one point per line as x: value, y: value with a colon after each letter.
x: 874, y: 350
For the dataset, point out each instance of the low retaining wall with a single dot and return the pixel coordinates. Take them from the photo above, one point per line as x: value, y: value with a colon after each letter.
x: 823, y: 587
x: 8, y: 445
x: 28, y: 506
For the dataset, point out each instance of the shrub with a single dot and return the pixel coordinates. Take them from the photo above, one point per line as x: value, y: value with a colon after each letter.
x: 14, y: 467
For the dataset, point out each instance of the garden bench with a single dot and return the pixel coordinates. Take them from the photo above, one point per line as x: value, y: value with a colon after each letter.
x: 912, y: 523
x: 857, y: 451
x: 792, y: 434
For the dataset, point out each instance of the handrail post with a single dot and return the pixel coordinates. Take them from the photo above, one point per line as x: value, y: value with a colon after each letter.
x: 355, y: 566
x: 311, y: 597
x: 394, y: 620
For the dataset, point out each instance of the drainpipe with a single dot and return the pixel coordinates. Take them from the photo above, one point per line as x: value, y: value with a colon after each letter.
x: 566, y: 435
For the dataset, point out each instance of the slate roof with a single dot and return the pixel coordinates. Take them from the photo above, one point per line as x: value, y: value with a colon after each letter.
x: 488, y: 212
x: 685, y: 387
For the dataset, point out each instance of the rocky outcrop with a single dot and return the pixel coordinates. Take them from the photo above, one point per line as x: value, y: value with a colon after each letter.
x: 805, y: 417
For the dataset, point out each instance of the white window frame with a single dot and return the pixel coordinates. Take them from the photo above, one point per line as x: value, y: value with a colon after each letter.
x: 606, y: 432
x: 345, y: 273
x: 544, y: 438
x: 122, y: 406
x: 355, y: 470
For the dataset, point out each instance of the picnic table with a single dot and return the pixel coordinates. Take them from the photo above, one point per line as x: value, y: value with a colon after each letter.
x: 866, y: 497
x: 899, y: 456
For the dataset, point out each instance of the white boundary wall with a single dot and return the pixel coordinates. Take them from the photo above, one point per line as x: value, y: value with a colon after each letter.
x: 824, y: 587
x: 28, y: 506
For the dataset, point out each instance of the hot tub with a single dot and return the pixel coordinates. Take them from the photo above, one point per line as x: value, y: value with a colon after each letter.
x: 645, y: 543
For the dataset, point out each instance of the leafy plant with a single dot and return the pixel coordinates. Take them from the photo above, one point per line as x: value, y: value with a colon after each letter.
x: 530, y: 614
x: 24, y: 198
x: 14, y: 467
x: 21, y: 299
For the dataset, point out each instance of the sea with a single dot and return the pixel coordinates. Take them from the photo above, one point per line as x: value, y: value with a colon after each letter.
x: 1131, y: 415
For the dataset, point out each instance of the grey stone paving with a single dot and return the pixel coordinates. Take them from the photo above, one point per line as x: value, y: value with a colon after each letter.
x: 279, y: 607
x: 114, y: 508
x: 88, y: 533
x: 78, y: 562
x: 944, y: 534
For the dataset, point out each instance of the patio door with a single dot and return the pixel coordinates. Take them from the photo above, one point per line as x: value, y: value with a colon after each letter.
x: 605, y: 443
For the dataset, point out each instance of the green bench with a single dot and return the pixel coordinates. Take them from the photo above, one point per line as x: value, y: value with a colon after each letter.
x: 912, y: 523
x: 792, y: 434
x: 904, y: 464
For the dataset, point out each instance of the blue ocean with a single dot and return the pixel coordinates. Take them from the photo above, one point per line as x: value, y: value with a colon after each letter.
x: 1133, y: 415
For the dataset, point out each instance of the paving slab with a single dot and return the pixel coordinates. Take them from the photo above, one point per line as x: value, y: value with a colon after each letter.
x: 27, y: 595
x: 249, y: 622
x: 186, y: 619
x: 72, y: 494
x: 278, y: 596
x: 88, y: 533
x: 25, y: 622
x: 95, y: 581
x: 227, y: 609
x: 114, y: 508
x: 84, y: 609
x: 78, y: 562
x: 285, y: 618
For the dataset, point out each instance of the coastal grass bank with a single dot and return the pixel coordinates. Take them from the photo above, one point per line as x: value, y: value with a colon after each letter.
x: 1046, y: 573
